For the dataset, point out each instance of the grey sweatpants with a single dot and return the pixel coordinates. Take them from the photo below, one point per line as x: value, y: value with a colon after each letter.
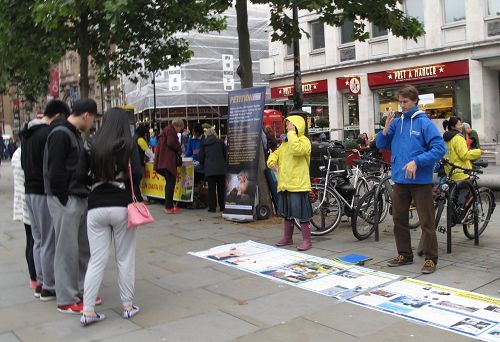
x: 103, y: 224
x: 72, y: 247
x: 42, y: 230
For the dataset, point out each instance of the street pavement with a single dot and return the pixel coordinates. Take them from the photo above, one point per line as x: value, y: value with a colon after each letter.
x: 184, y: 298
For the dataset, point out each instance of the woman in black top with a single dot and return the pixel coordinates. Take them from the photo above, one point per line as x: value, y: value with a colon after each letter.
x: 112, y: 150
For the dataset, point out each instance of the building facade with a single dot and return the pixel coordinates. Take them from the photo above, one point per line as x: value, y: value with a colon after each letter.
x: 455, y: 66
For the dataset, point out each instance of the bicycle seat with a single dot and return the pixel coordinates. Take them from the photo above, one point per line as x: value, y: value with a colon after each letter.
x: 480, y: 163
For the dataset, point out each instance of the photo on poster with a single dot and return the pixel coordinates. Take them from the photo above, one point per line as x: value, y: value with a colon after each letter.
x: 472, y: 326
x: 302, y: 271
x: 457, y: 306
x: 495, y: 332
x: 381, y: 293
x: 493, y: 308
x: 240, y: 189
x: 348, y: 274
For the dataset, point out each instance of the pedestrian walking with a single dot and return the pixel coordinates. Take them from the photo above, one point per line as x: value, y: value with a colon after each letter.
x: 471, y: 136
x: 21, y: 214
x: 66, y: 184
x: 291, y: 160
x: 213, y: 157
x: 168, y: 152
x: 416, y: 145
x: 457, y: 150
x: 32, y: 144
x: 112, y: 149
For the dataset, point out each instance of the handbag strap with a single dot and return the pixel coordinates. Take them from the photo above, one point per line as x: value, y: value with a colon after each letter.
x: 131, y: 182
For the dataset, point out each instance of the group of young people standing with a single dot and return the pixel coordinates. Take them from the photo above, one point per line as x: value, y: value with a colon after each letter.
x: 76, y: 197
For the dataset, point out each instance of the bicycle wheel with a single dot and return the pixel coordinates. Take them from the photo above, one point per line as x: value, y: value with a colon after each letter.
x: 414, y: 222
x: 362, y: 220
x: 485, y: 205
x: 326, y: 215
x: 366, y: 184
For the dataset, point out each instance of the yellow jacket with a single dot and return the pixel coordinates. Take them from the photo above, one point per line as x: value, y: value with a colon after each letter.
x: 458, y: 154
x: 293, y: 159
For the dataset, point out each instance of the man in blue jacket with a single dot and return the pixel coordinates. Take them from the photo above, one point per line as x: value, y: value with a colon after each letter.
x: 415, y: 145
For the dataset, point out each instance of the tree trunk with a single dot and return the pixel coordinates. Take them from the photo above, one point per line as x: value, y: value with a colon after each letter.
x: 244, y: 70
x: 83, y: 51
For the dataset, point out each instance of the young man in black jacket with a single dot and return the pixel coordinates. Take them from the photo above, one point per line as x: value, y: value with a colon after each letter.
x: 67, y: 190
x: 33, y: 144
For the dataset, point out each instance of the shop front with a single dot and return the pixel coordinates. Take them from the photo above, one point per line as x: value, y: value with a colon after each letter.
x: 444, y: 91
x: 315, y: 103
x: 350, y: 91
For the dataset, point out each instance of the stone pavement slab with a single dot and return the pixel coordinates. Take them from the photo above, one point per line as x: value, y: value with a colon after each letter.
x: 185, y: 298
x: 298, y: 330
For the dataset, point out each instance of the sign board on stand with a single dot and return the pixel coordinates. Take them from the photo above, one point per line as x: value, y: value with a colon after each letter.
x: 246, y: 107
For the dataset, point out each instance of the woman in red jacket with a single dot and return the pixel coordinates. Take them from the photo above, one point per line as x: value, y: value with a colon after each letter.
x: 167, y: 150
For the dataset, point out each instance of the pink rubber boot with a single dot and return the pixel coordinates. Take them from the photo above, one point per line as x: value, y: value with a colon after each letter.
x: 287, y: 234
x: 306, y: 237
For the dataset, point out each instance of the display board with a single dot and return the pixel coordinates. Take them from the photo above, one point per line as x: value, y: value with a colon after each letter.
x: 443, y: 307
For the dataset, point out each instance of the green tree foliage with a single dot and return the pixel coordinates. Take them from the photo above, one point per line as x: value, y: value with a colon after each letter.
x: 128, y: 36
x: 383, y: 13
x: 27, y: 51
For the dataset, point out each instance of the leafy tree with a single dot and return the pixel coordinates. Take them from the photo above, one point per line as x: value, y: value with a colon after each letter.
x: 127, y: 36
x: 27, y: 51
x: 383, y: 13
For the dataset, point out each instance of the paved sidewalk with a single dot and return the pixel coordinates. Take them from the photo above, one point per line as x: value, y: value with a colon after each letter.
x: 184, y: 298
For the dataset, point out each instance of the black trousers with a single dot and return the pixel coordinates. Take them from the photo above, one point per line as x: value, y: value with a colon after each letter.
x: 169, y: 188
x: 216, y: 182
x: 29, y: 252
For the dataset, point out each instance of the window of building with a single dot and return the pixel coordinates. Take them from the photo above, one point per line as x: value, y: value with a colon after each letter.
x: 346, y: 32
x: 415, y: 8
x: 317, y: 35
x: 454, y: 10
x: 493, y: 7
x: 378, y: 32
x: 289, y: 50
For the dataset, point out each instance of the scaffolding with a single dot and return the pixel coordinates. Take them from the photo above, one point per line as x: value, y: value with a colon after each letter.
x: 198, y: 89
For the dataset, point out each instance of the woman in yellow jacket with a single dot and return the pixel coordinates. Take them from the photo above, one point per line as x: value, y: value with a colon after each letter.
x: 291, y: 160
x: 457, y: 152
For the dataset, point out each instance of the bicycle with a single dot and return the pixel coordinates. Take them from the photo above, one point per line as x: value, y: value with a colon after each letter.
x: 373, y: 208
x: 467, y: 204
x: 335, y: 195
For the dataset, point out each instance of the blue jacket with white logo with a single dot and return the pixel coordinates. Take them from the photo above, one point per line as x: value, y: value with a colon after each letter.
x: 412, y: 136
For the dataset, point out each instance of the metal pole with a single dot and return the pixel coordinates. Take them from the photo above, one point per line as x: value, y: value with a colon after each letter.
x: 298, y: 98
x: 154, y: 97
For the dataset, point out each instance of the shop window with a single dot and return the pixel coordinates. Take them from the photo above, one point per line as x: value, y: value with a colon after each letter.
x: 454, y: 10
x: 493, y: 7
x: 318, y: 35
x: 378, y: 31
x: 415, y: 9
x: 346, y: 32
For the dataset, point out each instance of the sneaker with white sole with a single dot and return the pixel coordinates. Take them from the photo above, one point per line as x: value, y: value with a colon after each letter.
x: 47, y: 295
x: 134, y: 310
x: 87, y: 320
x: 71, y: 308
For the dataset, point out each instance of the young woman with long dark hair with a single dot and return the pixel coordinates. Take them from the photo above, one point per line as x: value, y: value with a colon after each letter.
x: 112, y: 150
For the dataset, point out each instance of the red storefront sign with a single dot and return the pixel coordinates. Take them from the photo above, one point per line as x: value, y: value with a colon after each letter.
x: 351, y: 84
x: 419, y: 73
x: 315, y: 87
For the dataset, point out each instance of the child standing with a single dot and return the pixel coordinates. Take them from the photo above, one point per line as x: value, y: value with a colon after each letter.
x: 21, y: 213
x: 291, y: 160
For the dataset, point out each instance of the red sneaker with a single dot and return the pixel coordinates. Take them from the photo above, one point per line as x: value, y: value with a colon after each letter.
x: 71, y: 308
x: 171, y: 211
x: 176, y: 209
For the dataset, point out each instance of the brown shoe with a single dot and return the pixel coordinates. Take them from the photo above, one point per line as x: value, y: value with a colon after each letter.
x: 429, y: 267
x: 400, y: 260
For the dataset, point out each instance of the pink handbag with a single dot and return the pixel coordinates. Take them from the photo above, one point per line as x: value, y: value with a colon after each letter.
x: 138, y: 213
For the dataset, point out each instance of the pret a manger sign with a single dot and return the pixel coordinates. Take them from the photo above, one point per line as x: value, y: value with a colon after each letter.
x: 456, y: 69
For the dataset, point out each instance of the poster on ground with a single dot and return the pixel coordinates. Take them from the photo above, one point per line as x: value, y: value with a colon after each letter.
x: 443, y: 307
x: 246, y: 107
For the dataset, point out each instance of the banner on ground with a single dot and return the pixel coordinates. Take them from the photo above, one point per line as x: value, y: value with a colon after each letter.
x: 443, y: 307
x: 246, y: 107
